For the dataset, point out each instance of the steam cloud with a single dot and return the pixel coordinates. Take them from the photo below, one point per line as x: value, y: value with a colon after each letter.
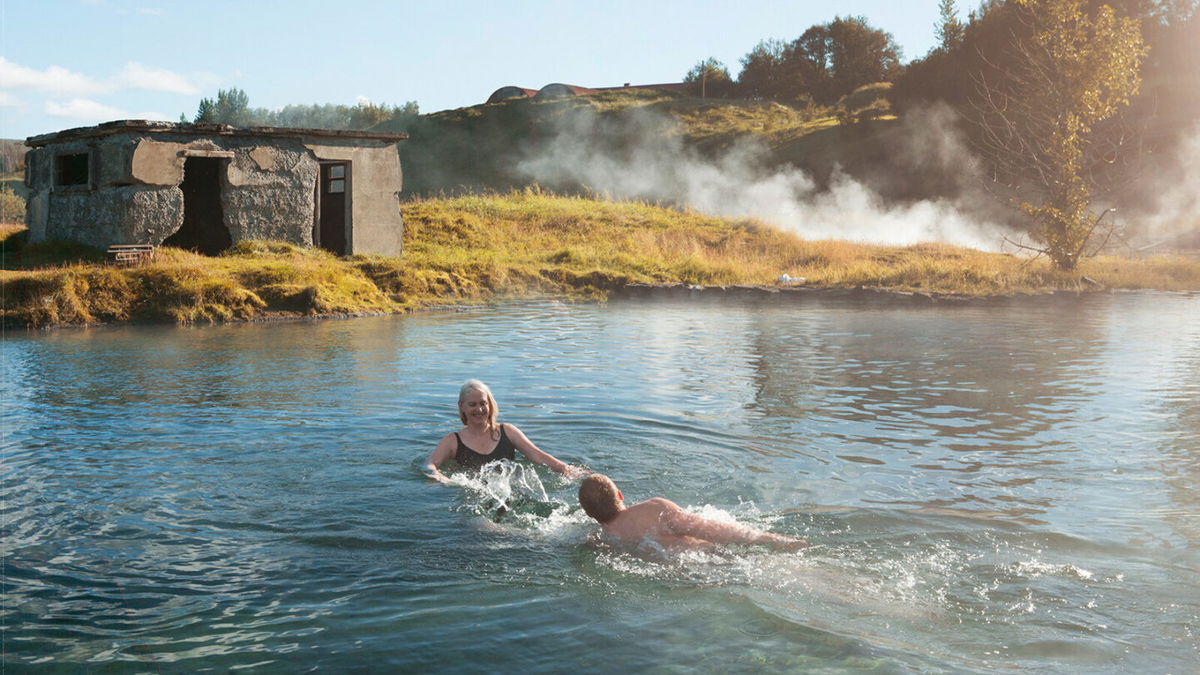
x: 642, y: 156
x: 1173, y: 191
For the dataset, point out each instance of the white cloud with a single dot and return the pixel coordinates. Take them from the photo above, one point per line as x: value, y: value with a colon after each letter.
x: 7, y: 100
x: 54, y: 80
x: 205, y: 79
x: 362, y: 100
x: 157, y: 116
x: 138, y: 76
x: 84, y: 109
x: 59, y: 81
x: 151, y: 11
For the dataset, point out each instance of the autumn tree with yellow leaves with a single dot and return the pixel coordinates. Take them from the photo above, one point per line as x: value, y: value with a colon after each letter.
x: 1073, y: 67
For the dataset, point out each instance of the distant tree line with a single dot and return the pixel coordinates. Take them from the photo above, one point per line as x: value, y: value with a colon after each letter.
x: 232, y: 107
x: 826, y: 63
x: 12, y: 156
x: 829, y: 61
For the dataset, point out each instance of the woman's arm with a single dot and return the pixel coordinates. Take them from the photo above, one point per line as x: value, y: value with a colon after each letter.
x: 535, y: 454
x: 680, y: 522
x: 444, y: 451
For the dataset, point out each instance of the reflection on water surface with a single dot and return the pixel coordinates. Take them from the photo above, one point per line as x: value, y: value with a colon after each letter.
x: 986, y: 487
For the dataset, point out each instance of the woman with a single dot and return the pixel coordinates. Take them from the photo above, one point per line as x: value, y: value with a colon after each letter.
x: 483, y: 440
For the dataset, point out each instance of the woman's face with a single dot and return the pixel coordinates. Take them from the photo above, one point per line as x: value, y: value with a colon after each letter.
x: 474, y: 406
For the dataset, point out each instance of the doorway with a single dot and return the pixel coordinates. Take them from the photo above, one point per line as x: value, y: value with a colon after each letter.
x: 333, y: 218
x: 203, y: 228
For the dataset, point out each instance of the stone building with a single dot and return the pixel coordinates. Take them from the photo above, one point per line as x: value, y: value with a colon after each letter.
x: 206, y: 186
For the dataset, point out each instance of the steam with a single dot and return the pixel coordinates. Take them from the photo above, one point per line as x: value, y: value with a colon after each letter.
x: 642, y: 156
x: 1172, y: 191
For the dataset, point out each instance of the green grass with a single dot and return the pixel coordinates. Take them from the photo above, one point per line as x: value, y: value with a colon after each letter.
x: 486, y: 247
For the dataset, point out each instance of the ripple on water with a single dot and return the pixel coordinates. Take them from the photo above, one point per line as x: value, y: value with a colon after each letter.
x: 990, y: 488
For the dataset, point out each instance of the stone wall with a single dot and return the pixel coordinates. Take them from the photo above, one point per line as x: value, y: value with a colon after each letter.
x: 269, y: 191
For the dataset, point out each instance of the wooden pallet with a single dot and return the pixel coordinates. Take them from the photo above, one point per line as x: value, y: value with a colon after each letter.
x: 131, y: 254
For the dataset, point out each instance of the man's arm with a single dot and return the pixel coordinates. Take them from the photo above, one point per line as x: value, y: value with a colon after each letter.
x: 682, y: 523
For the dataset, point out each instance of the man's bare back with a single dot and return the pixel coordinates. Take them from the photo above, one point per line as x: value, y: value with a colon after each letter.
x: 664, y: 522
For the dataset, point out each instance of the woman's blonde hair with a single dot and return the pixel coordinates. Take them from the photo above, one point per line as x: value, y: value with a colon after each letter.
x: 493, y: 409
x: 599, y: 497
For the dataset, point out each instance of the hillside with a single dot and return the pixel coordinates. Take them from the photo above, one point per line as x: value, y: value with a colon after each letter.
x: 673, y: 149
x: 808, y: 170
x: 490, y: 146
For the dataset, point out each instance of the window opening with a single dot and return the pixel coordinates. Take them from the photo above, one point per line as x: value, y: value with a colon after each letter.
x: 337, y: 178
x: 71, y: 169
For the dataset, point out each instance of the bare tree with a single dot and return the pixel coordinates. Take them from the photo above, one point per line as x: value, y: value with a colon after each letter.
x: 1039, y: 106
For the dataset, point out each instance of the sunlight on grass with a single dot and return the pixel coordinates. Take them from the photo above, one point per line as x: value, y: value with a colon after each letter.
x: 482, y: 247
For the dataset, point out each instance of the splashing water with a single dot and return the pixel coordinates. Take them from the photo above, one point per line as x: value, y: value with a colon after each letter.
x: 502, y: 482
x: 512, y: 493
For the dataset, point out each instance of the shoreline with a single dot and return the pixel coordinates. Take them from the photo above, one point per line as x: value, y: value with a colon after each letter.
x: 489, y: 248
x: 798, y: 293
x: 665, y: 292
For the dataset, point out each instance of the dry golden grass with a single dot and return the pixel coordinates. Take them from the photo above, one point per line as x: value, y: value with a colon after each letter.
x: 481, y: 247
x: 540, y: 232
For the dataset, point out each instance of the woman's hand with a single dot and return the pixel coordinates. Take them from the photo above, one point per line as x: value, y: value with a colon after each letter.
x: 571, y: 471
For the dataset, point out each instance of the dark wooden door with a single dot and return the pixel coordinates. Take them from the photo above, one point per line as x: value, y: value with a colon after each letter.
x: 335, y: 182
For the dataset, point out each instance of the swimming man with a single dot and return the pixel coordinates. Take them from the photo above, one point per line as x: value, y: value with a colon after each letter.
x: 665, y: 522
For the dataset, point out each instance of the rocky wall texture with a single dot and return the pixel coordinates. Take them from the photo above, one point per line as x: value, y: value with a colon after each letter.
x: 123, y: 214
x: 269, y: 192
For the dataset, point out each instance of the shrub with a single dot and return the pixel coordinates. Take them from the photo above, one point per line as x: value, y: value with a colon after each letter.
x: 868, y: 102
x: 12, y: 206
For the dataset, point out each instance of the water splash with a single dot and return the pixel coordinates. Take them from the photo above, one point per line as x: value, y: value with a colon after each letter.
x: 501, y: 483
x: 513, y: 498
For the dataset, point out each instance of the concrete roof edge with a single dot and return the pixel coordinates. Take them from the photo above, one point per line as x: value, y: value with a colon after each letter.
x: 152, y: 126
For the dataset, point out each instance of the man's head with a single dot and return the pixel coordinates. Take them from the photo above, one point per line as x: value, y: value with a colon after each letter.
x: 600, y: 498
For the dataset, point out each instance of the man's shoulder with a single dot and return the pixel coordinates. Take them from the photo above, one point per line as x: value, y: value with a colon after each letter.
x: 657, y: 504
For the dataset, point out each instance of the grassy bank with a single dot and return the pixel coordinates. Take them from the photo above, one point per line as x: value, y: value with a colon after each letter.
x: 483, y: 247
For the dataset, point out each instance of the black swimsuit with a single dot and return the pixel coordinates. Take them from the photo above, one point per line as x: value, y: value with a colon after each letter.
x: 469, y: 459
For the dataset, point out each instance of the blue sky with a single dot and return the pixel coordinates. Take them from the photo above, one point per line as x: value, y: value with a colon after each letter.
x: 69, y: 63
